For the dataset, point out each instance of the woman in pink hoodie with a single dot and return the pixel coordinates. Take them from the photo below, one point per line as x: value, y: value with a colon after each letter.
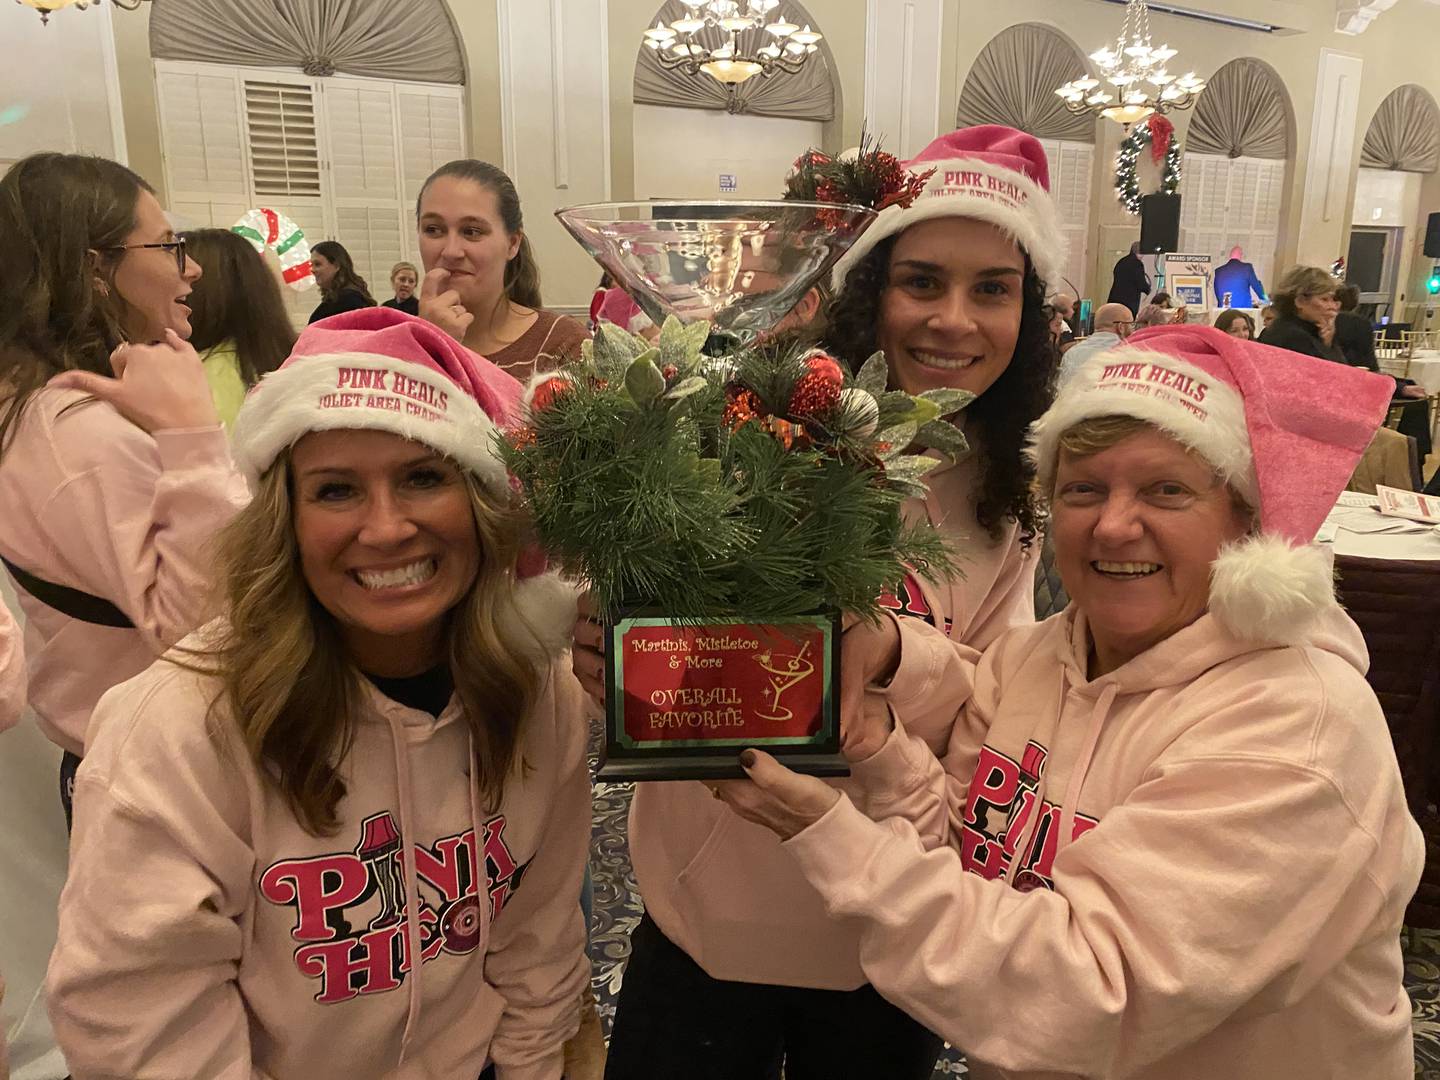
x: 340, y: 832
x: 1168, y: 839
x: 112, y: 486
x: 952, y: 289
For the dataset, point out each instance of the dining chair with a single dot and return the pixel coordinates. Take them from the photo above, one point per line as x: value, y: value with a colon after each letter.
x: 1396, y: 604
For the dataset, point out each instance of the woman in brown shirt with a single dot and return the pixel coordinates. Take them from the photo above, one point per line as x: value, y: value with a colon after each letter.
x: 482, y: 285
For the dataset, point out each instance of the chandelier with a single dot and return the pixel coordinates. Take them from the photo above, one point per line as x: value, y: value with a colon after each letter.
x: 1136, y: 69
x: 45, y: 7
x: 677, y: 46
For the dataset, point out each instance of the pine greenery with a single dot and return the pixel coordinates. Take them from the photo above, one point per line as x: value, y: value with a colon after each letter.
x: 668, y: 479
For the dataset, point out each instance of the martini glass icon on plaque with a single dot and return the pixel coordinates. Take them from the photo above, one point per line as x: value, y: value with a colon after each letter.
x: 785, y: 672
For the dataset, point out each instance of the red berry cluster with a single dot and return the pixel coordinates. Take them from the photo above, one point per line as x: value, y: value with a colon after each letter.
x: 743, y: 406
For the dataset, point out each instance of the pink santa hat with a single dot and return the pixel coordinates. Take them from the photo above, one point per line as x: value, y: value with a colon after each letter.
x: 381, y: 369
x: 1283, y: 429
x: 990, y: 173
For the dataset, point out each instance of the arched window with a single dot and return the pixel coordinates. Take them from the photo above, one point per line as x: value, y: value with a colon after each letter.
x: 1405, y: 133
x: 1013, y: 83
x: 1236, y: 151
x: 379, y: 39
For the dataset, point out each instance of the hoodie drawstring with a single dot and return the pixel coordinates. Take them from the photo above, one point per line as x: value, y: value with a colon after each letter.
x: 412, y: 880
x: 1071, y: 803
x: 936, y: 515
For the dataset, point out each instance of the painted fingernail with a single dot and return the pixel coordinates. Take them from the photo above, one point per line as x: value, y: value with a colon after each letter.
x: 748, y: 759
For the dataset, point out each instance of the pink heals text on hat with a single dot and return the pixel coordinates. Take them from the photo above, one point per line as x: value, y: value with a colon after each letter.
x: 1285, y: 430
x: 988, y: 173
x: 379, y: 368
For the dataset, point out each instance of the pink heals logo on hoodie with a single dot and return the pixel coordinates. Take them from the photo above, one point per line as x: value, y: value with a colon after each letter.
x: 1000, y: 816
x: 350, y: 911
x: 909, y: 600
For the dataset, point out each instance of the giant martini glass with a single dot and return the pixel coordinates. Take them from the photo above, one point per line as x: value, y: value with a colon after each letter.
x: 740, y: 265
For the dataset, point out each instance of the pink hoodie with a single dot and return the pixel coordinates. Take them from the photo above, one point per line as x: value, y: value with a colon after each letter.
x: 1213, y: 884
x: 12, y: 670
x: 204, y: 933
x: 94, y: 503
x: 723, y: 889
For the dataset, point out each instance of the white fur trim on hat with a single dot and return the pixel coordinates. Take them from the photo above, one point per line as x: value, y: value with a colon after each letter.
x: 1193, y: 407
x: 968, y: 187
x: 1265, y: 589
x: 544, y: 613
x: 362, y: 390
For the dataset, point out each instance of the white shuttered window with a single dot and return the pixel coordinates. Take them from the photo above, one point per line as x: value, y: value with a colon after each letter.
x: 1229, y: 201
x: 342, y: 157
x: 1071, y: 170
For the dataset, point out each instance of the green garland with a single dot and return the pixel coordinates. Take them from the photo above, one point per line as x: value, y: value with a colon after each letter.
x: 762, y: 483
x: 1127, y: 187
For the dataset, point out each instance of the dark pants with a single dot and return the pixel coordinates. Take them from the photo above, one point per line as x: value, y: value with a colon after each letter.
x: 68, y: 764
x: 673, y: 1020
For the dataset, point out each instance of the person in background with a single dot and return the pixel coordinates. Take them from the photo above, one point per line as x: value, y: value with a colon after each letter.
x: 1152, y: 315
x: 341, y: 288
x: 1064, y: 306
x: 238, y: 322
x: 1307, y: 304
x: 1168, y: 839
x: 1353, y: 332
x: 1113, y: 323
x: 1129, y: 282
x: 340, y: 831
x: 952, y: 289
x: 1268, y: 315
x: 482, y: 284
x: 115, y: 472
x: 1236, y: 324
x: 598, y: 297
x: 404, y: 279
x: 1237, y: 280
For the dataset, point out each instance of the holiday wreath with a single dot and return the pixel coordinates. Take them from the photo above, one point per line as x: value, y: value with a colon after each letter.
x: 1157, y: 135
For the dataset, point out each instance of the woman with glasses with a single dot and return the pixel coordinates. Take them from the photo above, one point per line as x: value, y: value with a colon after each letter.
x: 114, y: 468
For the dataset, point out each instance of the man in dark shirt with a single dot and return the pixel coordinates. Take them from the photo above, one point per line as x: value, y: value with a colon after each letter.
x: 1353, y: 332
x: 1130, y: 281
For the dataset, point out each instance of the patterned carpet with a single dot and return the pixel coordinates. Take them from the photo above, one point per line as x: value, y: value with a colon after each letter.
x: 618, y: 910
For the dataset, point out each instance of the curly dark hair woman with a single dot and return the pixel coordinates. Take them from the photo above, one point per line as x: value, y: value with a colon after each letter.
x: 1000, y: 417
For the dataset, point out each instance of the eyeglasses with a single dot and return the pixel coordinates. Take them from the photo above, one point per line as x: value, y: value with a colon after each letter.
x: 176, y: 246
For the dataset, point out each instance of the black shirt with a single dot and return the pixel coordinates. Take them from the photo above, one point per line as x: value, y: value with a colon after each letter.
x: 1356, y: 338
x: 348, y: 300
x: 410, y: 305
x: 1299, y: 335
x: 428, y: 692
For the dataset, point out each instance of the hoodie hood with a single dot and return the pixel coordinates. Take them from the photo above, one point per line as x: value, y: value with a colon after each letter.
x: 1200, y: 647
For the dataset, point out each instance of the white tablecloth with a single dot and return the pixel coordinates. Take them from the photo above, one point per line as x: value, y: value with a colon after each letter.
x: 1424, y: 369
x: 1407, y: 545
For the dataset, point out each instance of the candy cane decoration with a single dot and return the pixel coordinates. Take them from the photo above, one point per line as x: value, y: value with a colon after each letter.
x: 265, y: 228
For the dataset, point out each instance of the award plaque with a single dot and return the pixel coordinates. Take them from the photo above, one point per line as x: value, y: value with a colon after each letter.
x: 683, y: 699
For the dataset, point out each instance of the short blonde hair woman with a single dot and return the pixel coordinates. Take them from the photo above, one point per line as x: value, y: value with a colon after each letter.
x: 404, y: 280
x: 1307, y: 300
x: 368, y: 777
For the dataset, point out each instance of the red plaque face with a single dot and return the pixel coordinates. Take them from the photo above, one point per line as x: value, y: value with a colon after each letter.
x: 723, y: 684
